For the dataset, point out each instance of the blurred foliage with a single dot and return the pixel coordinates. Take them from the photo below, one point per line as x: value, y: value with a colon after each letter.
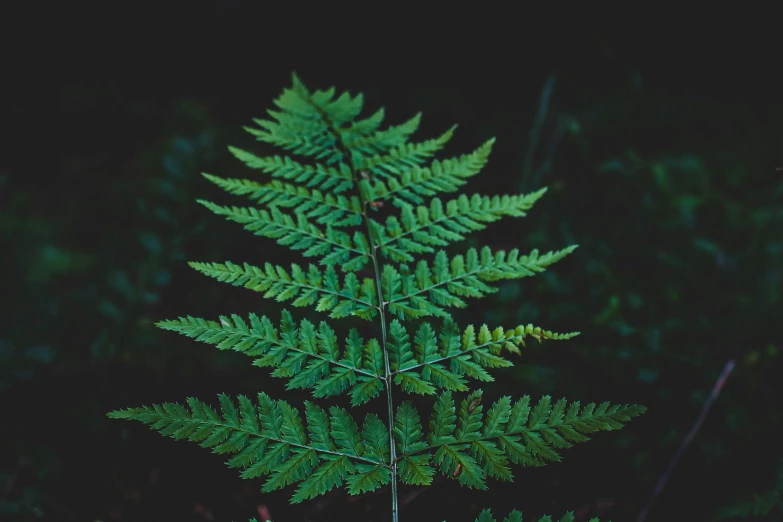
x: 106, y: 261
x: 87, y: 282
x: 684, y: 270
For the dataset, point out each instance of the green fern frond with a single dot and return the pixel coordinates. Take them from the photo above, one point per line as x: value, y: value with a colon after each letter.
x: 392, y: 140
x: 304, y: 123
x: 403, y: 157
x: 414, y: 184
x: 333, y: 245
x: 320, y: 206
x: 469, y: 446
x: 516, y: 516
x: 428, y: 289
x: 444, y: 360
x: 314, y: 175
x: 308, y: 356
x: 366, y: 127
x: 270, y: 439
x: 335, y: 210
x: 322, y: 288
x: 418, y: 230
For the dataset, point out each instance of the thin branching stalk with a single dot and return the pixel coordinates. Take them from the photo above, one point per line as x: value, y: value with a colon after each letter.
x: 381, y: 312
x: 719, y: 383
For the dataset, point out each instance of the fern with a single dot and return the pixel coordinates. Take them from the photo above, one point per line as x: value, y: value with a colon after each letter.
x: 516, y: 516
x: 381, y: 263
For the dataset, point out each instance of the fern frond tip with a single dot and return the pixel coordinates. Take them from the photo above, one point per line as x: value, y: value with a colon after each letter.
x: 295, y: 78
x: 208, y: 204
x: 169, y: 324
x: 539, y: 333
x: 538, y: 194
x: 121, y: 414
x: 214, y: 179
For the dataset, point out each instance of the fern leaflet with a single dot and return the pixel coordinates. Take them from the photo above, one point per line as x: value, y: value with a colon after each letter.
x: 308, y: 356
x: 418, y: 230
x: 336, y: 210
x: 322, y: 288
x: 269, y: 439
x: 469, y: 446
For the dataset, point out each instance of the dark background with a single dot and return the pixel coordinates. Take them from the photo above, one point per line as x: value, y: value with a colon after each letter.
x: 659, y: 145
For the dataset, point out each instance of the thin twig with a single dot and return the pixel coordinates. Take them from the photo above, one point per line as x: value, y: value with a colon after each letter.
x: 535, y: 132
x: 546, y: 164
x: 688, y: 438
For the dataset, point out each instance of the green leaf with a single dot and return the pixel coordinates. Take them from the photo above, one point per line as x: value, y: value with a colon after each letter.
x: 327, y: 208
x: 485, y: 444
x: 332, y: 245
x: 443, y: 421
x: 404, y: 156
x: 316, y: 176
x: 415, y: 183
x: 314, y: 287
x: 415, y: 470
x: 446, y: 282
x: 368, y: 478
x: 412, y: 382
x: 454, y: 462
x: 419, y: 230
x: 270, y: 439
x: 399, y: 346
x: 308, y: 357
x: 318, y: 427
x: 375, y: 437
x: 329, y: 475
x: 407, y: 429
x: 415, y: 370
x: 345, y: 432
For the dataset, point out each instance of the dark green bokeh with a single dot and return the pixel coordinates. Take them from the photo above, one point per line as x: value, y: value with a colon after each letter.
x: 666, y: 179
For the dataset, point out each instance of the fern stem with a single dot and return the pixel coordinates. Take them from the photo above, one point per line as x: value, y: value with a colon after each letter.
x: 388, y: 380
x: 387, y: 365
x: 346, y: 152
x: 535, y: 132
